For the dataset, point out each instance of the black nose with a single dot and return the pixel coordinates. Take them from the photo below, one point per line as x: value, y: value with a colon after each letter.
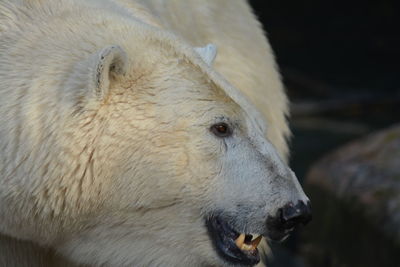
x: 292, y: 215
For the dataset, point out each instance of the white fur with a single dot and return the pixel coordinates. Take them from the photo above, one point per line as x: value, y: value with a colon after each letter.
x: 107, y: 158
x: 245, y: 57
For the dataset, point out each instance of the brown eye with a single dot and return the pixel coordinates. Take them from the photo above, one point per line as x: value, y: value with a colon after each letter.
x: 221, y: 129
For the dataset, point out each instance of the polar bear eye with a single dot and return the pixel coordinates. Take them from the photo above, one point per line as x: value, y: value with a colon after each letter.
x: 221, y: 129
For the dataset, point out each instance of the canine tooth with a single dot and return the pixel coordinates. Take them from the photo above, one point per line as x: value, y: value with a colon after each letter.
x: 255, y: 242
x: 247, y: 247
x: 240, y: 240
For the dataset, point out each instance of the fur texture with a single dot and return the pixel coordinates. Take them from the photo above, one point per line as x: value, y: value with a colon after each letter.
x: 105, y: 111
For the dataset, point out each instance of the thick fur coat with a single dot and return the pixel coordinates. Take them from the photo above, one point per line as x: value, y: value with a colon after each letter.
x: 105, y: 109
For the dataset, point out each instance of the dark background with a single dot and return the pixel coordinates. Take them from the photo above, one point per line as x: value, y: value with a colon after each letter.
x: 340, y: 65
x: 343, y: 43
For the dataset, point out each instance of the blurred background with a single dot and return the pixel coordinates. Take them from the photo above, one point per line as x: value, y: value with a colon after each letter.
x: 340, y: 64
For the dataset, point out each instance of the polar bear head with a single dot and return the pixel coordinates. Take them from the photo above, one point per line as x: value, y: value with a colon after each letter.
x: 180, y: 172
x: 142, y: 155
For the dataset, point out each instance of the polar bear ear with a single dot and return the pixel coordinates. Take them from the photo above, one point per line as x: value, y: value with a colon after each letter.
x: 110, y: 61
x: 207, y: 53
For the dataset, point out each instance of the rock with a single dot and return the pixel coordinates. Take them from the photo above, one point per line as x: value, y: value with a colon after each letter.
x: 367, y: 173
x: 355, y: 192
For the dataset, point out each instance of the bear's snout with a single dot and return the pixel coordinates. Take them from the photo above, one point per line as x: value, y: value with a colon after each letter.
x: 290, y: 215
x: 287, y: 218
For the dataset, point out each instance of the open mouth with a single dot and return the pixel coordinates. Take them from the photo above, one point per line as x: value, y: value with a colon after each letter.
x: 234, y: 247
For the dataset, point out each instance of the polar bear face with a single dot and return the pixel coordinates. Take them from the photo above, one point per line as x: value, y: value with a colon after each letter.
x: 180, y: 172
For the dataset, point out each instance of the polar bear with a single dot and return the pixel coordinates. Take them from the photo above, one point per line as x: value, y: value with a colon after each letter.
x: 123, y: 143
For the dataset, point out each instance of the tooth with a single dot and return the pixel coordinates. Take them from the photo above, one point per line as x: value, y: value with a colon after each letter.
x: 256, y: 242
x: 240, y: 240
x: 247, y: 247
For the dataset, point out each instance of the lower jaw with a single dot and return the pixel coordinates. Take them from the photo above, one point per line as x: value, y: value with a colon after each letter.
x: 240, y: 258
x: 226, y: 247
